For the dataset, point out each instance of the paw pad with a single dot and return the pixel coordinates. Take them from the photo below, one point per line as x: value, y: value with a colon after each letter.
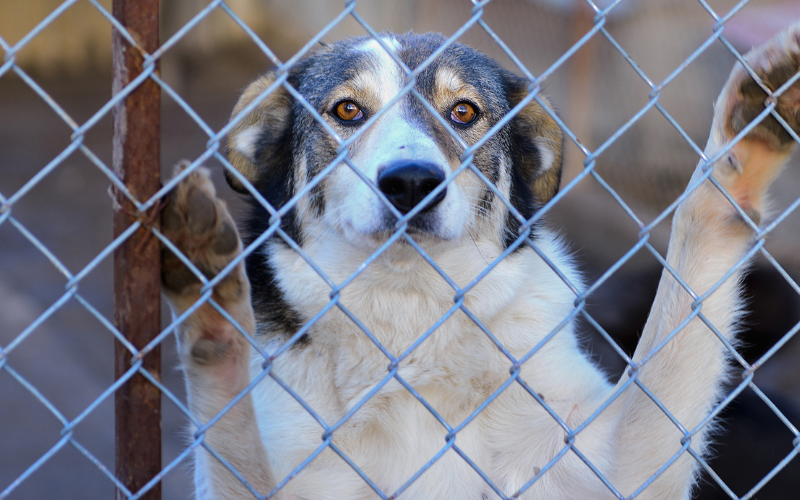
x: 199, y: 225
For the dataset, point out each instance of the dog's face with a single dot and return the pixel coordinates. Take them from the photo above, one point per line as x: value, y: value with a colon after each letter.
x: 400, y: 156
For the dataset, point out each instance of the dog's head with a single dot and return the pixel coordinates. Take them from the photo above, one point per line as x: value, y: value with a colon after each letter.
x: 397, y: 144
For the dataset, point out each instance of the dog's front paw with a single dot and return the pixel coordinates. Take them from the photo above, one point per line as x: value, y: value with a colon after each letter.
x: 755, y: 161
x: 776, y: 62
x: 199, y: 225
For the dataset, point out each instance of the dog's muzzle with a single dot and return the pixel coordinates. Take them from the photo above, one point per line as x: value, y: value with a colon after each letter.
x: 406, y: 183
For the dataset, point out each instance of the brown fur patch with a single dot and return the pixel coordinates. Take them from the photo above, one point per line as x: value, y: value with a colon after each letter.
x: 269, y: 113
x: 546, y: 184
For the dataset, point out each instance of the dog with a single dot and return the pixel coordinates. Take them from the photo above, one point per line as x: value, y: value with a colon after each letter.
x: 408, y: 316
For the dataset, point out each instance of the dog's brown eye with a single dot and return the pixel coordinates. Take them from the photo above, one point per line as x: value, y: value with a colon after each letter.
x: 348, y: 111
x: 463, y: 113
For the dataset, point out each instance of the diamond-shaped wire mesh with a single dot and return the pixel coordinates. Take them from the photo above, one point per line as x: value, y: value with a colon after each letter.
x: 42, y: 378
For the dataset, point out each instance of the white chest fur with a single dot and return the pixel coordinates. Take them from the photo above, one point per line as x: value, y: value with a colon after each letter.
x: 457, y: 366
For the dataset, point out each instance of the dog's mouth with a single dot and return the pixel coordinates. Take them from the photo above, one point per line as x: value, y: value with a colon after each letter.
x: 424, y: 223
x: 425, y: 228
x: 378, y: 223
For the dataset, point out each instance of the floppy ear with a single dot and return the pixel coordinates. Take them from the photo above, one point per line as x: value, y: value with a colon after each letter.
x: 537, y: 144
x: 258, y: 146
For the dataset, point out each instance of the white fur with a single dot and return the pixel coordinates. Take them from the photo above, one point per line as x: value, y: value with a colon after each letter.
x: 455, y: 369
x: 548, y: 158
x: 247, y: 140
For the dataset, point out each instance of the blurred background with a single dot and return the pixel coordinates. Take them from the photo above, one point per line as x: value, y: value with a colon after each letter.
x: 68, y: 357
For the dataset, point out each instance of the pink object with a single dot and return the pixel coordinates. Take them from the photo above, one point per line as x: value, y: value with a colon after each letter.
x: 755, y: 25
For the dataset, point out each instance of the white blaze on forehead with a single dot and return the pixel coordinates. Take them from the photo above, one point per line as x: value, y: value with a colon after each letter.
x: 386, y: 76
x: 373, y: 44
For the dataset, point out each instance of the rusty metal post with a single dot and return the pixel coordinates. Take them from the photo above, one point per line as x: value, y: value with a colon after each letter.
x: 137, y: 295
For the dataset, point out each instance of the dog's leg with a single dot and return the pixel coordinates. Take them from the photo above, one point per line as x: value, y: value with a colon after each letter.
x: 214, y: 355
x: 709, y: 238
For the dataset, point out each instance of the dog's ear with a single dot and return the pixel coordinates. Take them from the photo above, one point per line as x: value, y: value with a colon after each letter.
x: 259, y: 144
x: 537, y: 143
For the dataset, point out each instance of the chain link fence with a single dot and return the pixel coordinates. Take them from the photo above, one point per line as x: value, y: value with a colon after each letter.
x: 21, y: 339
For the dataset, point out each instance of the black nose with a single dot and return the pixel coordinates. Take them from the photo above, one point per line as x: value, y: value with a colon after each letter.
x: 406, y: 183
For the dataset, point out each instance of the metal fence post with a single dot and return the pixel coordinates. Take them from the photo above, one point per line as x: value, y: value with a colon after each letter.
x: 137, y: 299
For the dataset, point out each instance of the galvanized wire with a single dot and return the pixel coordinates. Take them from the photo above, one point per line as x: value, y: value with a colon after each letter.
x: 213, y: 150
